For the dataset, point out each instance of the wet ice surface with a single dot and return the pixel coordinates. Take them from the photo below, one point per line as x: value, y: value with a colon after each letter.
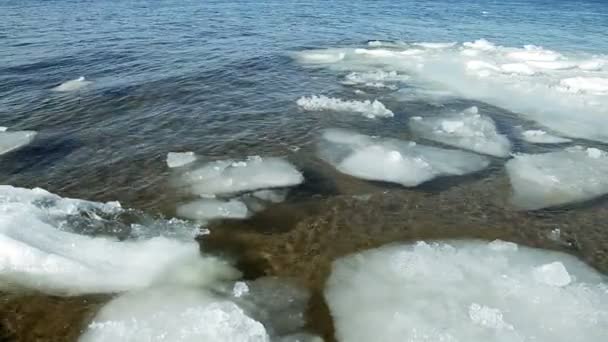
x: 12, y: 140
x: 41, y: 248
x: 73, y: 85
x: 480, y: 291
x: 232, y: 189
x: 391, y: 160
x: 572, y: 175
x: 469, y: 130
x: 538, y: 136
x: 370, y: 109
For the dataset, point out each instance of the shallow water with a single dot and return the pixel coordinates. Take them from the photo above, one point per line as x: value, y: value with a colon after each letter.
x: 220, y: 79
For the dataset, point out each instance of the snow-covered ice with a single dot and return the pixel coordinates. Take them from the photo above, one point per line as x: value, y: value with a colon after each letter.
x: 468, y: 130
x: 391, y: 160
x: 12, y: 140
x: 466, y: 291
x: 179, y: 159
x: 367, y: 108
x: 557, y: 178
x: 72, y: 85
x: 233, y: 176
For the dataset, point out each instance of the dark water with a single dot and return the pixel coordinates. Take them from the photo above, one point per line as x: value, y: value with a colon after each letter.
x: 217, y: 78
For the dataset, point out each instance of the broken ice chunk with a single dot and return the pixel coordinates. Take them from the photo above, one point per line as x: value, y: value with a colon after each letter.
x: 468, y: 130
x: 367, y: 108
x: 553, y: 274
x: 558, y: 178
x: 229, y: 176
x: 209, y: 209
x: 12, y: 140
x: 392, y: 160
x: 538, y: 136
x: 179, y: 159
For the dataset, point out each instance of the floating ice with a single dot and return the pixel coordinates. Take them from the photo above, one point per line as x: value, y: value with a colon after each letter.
x: 537, y: 136
x: 367, y: 108
x: 554, y: 274
x: 373, y: 78
x: 566, y: 93
x: 179, y: 159
x: 39, y: 249
x: 468, y: 130
x: 230, y: 176
x: 320, y: 56
x: 436, y: 45
x: 391, y: 160
x: 176, y: 314
x: 480, y: 44
x: 208, y: 209
x: 557, y: 178
x: 466, y: 291
x: 73, y: 85
x: 10, y: 141
x: 592, y: 85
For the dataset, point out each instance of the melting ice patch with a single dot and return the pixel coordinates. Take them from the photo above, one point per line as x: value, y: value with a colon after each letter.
x: 538, y: 136
x: 391, y: 160
x: 557, y: 178
x: 468, y: 130
x: 565, y: 92
x: 12, y: 140
x: 209, y: 208
x: 179, y: 159
x: 366, y: 108
x: 233, y: 176
x: 72, y: 85
x: 40, y: 247
x: 173, y: 314
x: 234, y: 188
x: 468, y: 291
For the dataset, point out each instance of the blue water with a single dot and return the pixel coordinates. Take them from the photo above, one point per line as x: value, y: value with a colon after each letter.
x: 214, y: 77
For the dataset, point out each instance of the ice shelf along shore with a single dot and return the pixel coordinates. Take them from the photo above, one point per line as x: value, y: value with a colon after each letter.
x: 468, y: 291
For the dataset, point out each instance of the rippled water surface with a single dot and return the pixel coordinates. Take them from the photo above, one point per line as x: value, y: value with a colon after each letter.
x: 221, y: 78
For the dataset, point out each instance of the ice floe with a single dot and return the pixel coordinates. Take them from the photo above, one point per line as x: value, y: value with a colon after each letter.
x: 209, y: 208
x: 391, y: 160
x: 466, y: 291
x: 12, y: 140
x: 177, y: 314
x: 367, y: 108
x: 266, y: 309
x: 41, y: 247
x: 565, y: 92
x: 468, y: 130
x: 538, y: 136
x: 233, y: 189
x: 375, y: 79
x: 179, y: 159
x: 233, y: 176
x: 73, y: 85
x: 557, y: 178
